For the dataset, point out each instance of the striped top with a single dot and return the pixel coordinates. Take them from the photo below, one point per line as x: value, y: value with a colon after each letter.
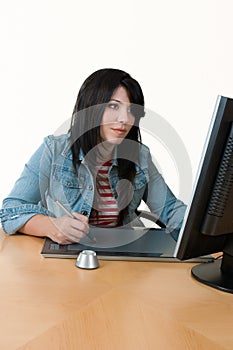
x: 105, y: 210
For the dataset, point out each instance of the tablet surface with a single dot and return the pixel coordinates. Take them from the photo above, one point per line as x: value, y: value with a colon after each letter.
x: 145, y: 245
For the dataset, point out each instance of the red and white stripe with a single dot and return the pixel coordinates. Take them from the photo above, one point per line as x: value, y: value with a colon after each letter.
x: 104, y: 202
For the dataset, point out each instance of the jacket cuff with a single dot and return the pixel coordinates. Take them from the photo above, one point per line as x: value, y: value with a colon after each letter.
x: 12, y: 219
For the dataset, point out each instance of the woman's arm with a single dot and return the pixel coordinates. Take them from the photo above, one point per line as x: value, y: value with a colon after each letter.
x: 63, y: 230
x: 162, y: 201
x: 26, y: 198
x: 25, y: 209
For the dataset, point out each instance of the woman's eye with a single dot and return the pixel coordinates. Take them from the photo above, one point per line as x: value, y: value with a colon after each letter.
x: 113, y: 105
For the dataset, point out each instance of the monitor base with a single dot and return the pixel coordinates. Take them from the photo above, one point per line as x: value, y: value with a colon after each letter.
x: 212, y: 275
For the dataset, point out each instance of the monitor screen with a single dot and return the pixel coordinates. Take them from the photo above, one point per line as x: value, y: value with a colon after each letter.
x: 208, y: 222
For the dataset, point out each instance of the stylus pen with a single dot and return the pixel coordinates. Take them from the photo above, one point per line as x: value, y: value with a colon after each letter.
x: 93, y: 239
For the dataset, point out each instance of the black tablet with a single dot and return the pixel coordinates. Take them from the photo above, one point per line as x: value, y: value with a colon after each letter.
x: 139, y: 244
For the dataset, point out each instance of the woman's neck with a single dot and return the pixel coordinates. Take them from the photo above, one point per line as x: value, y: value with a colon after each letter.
x: 105, y: 152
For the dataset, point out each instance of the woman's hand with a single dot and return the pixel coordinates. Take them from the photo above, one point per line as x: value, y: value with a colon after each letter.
x: 67, y: 230
x: 62, y: 230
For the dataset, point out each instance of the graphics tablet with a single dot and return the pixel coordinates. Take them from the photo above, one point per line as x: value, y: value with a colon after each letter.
x: 139, y: 244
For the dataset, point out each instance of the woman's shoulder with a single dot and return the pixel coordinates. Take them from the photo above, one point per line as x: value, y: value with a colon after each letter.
x: 58, y: 144
x: 57, y: 141
x: 144, y: 155
x: 144, y: 149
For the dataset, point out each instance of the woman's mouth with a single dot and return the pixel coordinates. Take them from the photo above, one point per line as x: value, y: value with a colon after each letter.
x: 119, y: 132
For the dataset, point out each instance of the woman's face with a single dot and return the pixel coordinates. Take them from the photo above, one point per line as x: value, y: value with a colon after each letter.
x: 117, y: 119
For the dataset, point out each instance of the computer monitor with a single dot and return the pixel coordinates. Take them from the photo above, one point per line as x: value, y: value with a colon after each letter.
x: 208, y: 224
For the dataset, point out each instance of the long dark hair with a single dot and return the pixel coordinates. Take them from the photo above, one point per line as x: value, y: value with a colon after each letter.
x: 92, y: 98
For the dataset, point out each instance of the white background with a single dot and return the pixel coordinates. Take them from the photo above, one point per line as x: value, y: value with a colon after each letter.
x: 180, y: 52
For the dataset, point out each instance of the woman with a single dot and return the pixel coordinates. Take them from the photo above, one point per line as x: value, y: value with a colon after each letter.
x: 100, y: 171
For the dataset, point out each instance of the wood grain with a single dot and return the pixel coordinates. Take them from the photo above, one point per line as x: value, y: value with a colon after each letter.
x: 49, y: 303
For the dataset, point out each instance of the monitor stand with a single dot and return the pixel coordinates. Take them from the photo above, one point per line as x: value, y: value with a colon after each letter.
x: 217, y: 274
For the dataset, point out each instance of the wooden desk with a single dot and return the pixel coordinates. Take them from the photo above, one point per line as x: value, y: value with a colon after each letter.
x: 51, y: 304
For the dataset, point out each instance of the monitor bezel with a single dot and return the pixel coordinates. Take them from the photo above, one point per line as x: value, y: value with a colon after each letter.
x: 191, y: 242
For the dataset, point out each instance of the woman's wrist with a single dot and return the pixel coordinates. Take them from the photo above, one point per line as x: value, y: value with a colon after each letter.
x: 39, y: 225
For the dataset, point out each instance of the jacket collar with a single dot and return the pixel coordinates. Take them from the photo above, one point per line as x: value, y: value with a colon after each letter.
x: 67, y: 153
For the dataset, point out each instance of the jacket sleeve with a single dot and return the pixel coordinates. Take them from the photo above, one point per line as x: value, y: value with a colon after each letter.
x: 162, y: 201
x: 26, y: 199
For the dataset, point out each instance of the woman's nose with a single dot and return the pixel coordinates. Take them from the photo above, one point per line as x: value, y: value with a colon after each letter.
x: 123, y: 116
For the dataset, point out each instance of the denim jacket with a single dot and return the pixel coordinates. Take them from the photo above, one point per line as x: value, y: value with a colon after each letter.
x: 49, y: 176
